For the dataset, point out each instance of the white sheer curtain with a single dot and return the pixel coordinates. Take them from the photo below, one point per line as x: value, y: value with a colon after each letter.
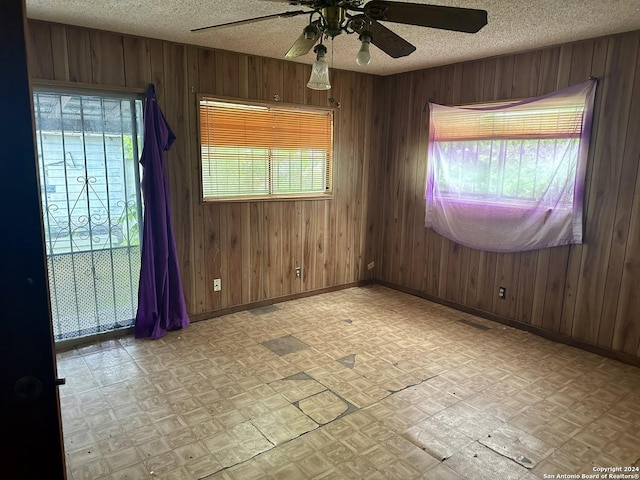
x: 510, y: 177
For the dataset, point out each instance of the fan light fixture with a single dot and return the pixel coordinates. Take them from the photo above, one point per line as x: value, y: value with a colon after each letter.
x: 330, y: 18
x: 319, y: 79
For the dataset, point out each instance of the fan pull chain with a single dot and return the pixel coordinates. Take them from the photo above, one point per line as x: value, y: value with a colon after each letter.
x: 332, y: 43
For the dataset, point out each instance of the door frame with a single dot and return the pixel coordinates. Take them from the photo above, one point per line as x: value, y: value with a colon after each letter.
x: 31, y: 433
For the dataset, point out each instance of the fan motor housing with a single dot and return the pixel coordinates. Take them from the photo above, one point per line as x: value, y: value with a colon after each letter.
x: 334, y: 17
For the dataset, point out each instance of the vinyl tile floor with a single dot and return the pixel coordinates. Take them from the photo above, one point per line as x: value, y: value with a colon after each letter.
x: 363, y: 383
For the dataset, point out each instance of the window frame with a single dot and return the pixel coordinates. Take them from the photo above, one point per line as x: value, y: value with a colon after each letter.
x: 103, y: 254
x: 325, y: 195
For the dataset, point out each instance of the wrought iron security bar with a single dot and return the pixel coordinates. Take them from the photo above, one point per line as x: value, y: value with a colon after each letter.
x: 88, y: 151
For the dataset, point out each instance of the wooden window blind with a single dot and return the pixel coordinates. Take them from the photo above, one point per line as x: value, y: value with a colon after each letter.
x: 264, y: 151
x: 559, y: 118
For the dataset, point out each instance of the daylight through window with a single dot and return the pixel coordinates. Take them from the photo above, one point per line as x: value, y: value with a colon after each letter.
x: 88, y: 150
x: 264, y: 151
x: 512, y: 169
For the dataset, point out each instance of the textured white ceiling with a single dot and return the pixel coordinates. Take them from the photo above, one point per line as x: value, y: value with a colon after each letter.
x: 514, y: 25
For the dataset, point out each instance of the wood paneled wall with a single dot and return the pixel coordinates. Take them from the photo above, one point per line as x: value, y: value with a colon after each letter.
x: 589, y: 292
x: 252, y: 246
x: 586, y: 292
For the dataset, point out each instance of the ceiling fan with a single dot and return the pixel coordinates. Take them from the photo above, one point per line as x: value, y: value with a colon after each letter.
x: 330, y: 18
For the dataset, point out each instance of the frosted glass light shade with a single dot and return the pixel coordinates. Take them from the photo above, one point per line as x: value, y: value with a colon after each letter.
x: 319, y: 79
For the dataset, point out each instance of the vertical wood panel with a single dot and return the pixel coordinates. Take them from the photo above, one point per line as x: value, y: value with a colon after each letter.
x: 455, y: 284
x: 585, y: 58
x: 207, y: 243
x: 504, y: 77
x: 272, y: 269
x: 555, y: 286
x: 309, y: 225
x: 286, y: 255
x: 367, y: 167
x: 243, y: 76
x: 107, y: 58
x: 626, y: 329
x: 540, y: 287
x: 340, y: 209
x: 60, y: 54
x: 507, y: 270
x: 432, y: 263
x: 156, y: 60
x: 229, y: 72
x: 548, y: 71
x: 374, y: 201
x: 40, y: 53
x: 526, y: 283
x: 245, y: 240
x: 357, y: 189
x: 206, y: 71
x: 79, y: 55
x: 327, y: 239
x: 272, y: 79
x: 226, y: 275
x: 471, y: 297
x: 406, y: 166
x: 297, y: 246
x: 525, y: 74
x: 258, y: 241
x: 254, y: 77
x: 137, y: 67
x: 291, y: 251
x: 178, y: 163
x: 601, y: 202
x: 625, y: 190
x: 418, y: 233
x: 386, y: 169
x: 295, y: 81
x: 198, y: 233
x: 232, y: 259
x: 486, y: 280
x: 212, y: 254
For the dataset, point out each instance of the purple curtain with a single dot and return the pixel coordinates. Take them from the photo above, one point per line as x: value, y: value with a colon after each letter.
x: 510, y: 177
x: 161, y: 305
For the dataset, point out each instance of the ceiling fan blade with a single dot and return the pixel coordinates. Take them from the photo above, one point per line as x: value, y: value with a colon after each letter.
x: 389, y: 42
x: 304, y: 42
x: 468, y: 20
x: 256, y: 19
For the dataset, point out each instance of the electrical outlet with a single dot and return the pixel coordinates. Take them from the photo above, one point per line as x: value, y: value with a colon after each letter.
x: 217, y: 285
x: 370, y: 265
x: 298, y: 272
x: 502, y: 292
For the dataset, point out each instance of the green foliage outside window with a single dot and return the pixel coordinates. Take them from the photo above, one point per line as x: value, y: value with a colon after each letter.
x: 507, y: 170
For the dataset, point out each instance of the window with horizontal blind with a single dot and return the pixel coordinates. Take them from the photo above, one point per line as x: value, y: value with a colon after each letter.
x: 511, y: 172
x: 259, y: 150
